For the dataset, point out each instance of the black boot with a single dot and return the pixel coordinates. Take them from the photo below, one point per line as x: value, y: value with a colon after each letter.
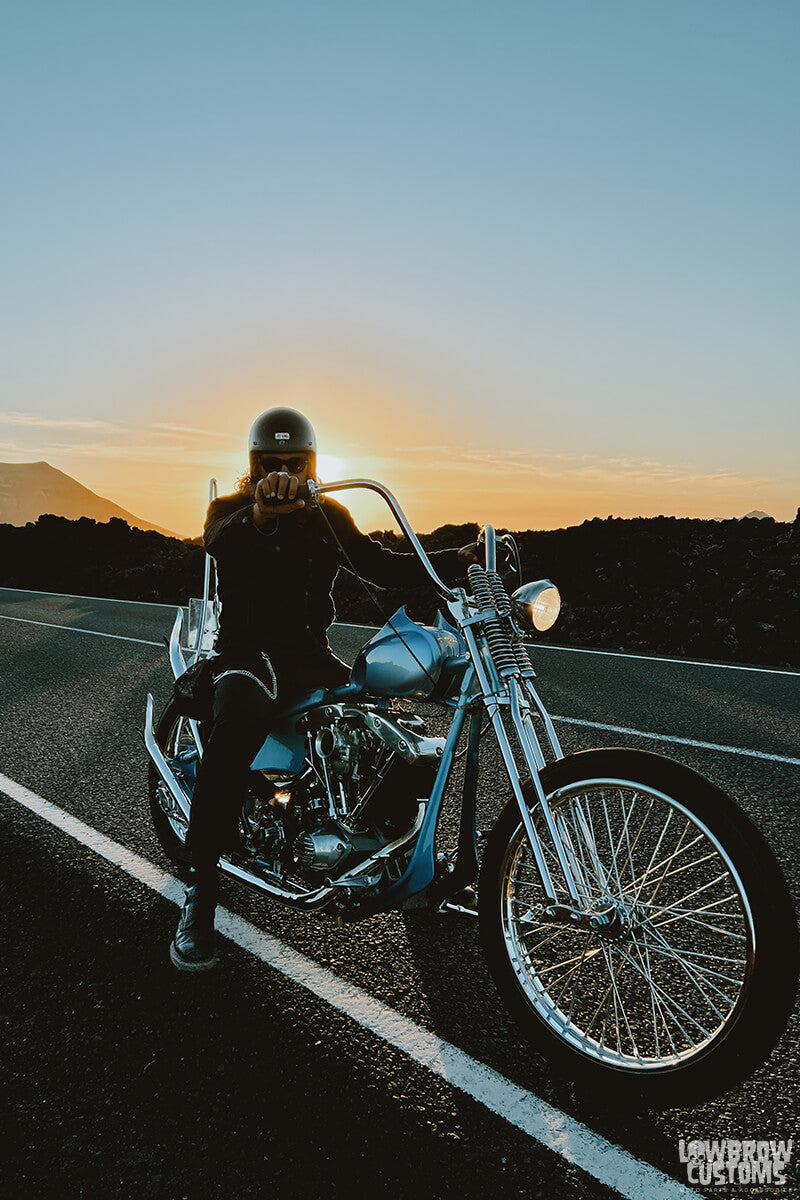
x: 193, y: 945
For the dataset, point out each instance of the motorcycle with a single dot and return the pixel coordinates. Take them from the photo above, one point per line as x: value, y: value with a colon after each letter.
x: 634, y: 920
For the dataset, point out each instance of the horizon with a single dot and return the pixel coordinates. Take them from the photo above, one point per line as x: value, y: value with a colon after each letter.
x: 527, y: 265
x: 753, y: 513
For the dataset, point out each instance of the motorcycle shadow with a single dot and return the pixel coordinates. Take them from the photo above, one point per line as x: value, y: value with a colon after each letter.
x: 465, y: 1009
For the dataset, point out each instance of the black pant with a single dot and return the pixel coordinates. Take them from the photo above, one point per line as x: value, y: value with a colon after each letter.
x: 243, y: 712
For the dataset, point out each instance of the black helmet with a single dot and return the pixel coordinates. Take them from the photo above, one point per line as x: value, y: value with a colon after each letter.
x: 282, y: 431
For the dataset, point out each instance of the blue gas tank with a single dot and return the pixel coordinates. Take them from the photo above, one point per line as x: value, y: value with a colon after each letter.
x: 404, y: 658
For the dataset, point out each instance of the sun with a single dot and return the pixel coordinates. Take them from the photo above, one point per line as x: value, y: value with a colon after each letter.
x: 331, y: 469
x: 367, y: 511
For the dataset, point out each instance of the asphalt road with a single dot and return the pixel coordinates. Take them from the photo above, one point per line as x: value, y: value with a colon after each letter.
x: 124, y: 1077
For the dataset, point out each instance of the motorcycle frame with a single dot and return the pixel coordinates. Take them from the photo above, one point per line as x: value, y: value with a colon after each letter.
x: 483, y: 689
x: 482, y: 686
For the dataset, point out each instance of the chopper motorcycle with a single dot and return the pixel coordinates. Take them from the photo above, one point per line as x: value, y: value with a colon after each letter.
x: 634, y: 920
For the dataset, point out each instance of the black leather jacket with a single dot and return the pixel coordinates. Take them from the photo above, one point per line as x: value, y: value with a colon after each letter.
x: 275, y: 583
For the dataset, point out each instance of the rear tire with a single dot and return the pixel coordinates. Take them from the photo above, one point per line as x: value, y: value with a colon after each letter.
x: 174, y: 737
x: 689, y: 984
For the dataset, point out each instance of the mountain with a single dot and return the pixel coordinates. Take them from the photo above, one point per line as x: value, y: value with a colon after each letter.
x: 27, y: 490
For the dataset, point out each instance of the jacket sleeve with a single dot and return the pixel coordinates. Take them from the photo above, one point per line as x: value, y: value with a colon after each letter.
x: 386, y: 567
x: 228, y: 522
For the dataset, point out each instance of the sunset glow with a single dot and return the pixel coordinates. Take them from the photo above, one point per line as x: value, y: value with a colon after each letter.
x: 530, y: 268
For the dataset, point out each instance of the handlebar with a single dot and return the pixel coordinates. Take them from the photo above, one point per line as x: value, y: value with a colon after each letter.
x: 320, y: 489
x: 311, y: 490
x: 489, y: 538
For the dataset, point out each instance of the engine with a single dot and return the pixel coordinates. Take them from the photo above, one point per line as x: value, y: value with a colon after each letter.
x: 365, y: 773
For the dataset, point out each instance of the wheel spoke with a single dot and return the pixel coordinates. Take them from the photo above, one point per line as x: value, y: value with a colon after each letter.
x: 575, y: 971
x: 704, y: 888
x: 586, y: 840
x: 625, y: 833
x: 584, y: 956
x: 614, y: 865
x: 671, y: 858
x: 669, y: 1000
x: 699, y: 975
x: 717, y: 958
x: 636, y: 840
x: 656, y: 1007
x: 690, y: 866
x: 572, y: 963
x: 619, y: 1005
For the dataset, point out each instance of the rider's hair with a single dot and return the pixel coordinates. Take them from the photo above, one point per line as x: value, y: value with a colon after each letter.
x: 246, y: 484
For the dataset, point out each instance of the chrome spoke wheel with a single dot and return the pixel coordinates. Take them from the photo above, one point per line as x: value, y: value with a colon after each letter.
x: 181, y: 753
x: 174, y: 736
x: 648, y: 972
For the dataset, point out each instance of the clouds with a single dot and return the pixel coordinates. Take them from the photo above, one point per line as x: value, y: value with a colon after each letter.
x: 37, y: 421
x: 518, y: 488
x: 161, y: 470
x: 559, y: 467
x: 164, y: 427
x: 162, y: 442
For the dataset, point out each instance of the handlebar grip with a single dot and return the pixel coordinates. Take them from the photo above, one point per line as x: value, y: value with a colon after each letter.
x: 301, y: 494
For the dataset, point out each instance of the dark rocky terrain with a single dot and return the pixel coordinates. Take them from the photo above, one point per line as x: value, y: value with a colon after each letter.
x: 723, y: 590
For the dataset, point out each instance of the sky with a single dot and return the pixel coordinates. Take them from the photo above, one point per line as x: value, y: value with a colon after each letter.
x: 526, y: 263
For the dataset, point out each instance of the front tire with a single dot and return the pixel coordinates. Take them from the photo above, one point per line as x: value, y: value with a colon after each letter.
x: 686, y: 979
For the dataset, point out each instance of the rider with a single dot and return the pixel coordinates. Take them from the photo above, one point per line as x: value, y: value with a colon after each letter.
x: 276, y: 563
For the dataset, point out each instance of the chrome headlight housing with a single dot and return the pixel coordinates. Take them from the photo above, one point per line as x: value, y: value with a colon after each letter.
x: 536, y: 606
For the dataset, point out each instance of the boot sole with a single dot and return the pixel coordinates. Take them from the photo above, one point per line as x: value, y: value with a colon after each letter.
x: 183, y: 964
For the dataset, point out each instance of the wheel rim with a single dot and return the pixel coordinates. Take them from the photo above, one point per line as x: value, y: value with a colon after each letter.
x: 666, y: 975
x: 179, y: 750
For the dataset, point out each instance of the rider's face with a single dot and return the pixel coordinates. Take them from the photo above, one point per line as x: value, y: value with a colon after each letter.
x: 298, y: 465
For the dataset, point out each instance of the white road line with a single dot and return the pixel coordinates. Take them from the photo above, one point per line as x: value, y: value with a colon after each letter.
x: 102, y: 599
x: 655, y: 737
x: 663, y: 737
x: 682, y: 662
x: 120, y: 637
x: 609, y: 1164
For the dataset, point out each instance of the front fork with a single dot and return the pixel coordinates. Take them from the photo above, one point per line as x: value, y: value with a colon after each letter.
x: 508, y: 693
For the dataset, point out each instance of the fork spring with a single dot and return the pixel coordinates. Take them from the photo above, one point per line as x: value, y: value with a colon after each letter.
x: 499, y: 642
x: 503, y: 606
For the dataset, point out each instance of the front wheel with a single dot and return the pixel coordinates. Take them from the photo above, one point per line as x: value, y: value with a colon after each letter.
x: 675, y: 975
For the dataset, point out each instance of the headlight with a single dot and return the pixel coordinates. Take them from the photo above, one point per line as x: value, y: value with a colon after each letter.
x: 536, y: 605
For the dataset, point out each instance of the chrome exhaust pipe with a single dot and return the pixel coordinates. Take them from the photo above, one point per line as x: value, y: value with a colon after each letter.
x: 304, y: 900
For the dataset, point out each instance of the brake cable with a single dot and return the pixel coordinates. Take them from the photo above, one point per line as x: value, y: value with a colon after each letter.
x: 371, y: 595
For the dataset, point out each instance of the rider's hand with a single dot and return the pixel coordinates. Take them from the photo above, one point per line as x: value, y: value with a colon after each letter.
x: 276, y: 494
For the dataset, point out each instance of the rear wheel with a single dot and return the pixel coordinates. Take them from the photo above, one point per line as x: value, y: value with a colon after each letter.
x: 174, y: 736
x: 676, y: 974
